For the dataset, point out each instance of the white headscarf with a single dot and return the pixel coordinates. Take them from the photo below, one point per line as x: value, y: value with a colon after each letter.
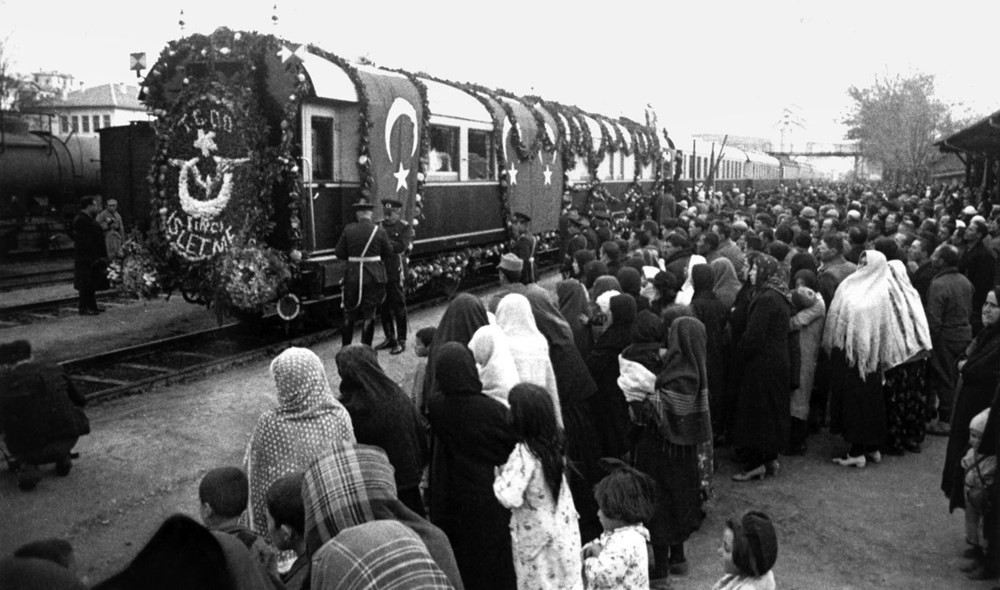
x: 497, y: 369
x: 686, y: 293
x: 874, y: 318
x: 528, y: 346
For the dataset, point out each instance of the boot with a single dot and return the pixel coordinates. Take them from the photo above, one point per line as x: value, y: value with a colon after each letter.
x: 348, y: 333
x: 368, y: 332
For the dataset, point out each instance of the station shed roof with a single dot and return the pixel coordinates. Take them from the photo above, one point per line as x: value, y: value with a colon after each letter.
x: 982, y: 137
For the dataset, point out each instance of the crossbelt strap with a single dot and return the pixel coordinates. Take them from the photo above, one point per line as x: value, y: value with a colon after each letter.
x: 364, y: 258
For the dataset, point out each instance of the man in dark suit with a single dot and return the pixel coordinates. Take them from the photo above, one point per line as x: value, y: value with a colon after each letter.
x: 393, y: 310
x: 90, y: 256
x: 525, y: 245
x: 366, y: 247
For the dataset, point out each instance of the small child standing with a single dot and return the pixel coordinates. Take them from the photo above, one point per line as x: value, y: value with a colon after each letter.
x: 223, y: 494
x: 980, y: 472
x: 286, y: 522
x: 619, y: 558
x: 422, y: 349
x: 749, y: 550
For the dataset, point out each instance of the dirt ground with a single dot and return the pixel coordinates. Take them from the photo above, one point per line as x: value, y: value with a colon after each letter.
x: 885, y: 526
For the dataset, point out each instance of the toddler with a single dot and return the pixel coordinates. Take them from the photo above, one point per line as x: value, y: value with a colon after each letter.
x: 286, y: 522
x: 980, y: 471
x: 749, y: 550
x: 619, y: 558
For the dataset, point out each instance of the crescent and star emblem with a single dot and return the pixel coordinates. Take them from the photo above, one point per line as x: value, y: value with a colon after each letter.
x: 208, y: 208
x: 400, y: 108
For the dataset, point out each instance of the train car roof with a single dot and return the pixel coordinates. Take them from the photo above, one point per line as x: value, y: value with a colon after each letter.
x: 331, y: 81
x: 761, y: 158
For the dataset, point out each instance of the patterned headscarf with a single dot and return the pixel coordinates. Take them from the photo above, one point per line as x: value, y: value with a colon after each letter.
x: 307, y: 420
x: 770, y: 276
x: 381, y: 554
x: 353, y: 485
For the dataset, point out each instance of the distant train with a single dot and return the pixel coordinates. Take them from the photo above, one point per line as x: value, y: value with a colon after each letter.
x: 735, y: 167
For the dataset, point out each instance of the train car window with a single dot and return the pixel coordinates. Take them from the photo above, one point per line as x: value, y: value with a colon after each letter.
x: 63, y: 124
x: 628, y: 167
x: 322, y: 148
x: 76, y: 124
x: 443, y: 156
x: 97, y: 122
x: 86, y: 123
x: 107, y: 120
x: 482, y: 159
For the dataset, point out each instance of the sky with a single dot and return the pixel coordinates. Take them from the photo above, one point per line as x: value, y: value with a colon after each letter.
x: 706, y: 66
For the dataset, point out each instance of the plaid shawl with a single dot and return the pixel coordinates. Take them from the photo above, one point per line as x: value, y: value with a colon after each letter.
x: 354, y: 485
x: 380, y: 555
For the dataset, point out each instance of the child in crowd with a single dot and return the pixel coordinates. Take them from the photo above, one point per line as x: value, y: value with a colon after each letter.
x: 980, y: 471
x: 532, y: 484
x: 619, y: 558
x: 422, y: 349
x: 286, y: 522
x: 224, y: 493
x: 749, y: 550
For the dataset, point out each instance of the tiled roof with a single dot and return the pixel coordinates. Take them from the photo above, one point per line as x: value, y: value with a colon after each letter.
x: 118, y: 96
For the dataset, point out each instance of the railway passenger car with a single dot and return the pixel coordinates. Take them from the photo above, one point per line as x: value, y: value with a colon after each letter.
x: 263, y: 144
x: 733, y: 167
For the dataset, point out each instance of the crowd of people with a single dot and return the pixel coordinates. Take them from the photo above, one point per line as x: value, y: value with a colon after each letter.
x: 567, y: 438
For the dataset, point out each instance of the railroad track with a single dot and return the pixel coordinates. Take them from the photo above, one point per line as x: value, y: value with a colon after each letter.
x: 40, y: 278
x: 136, y: 369
x: 29, y: 313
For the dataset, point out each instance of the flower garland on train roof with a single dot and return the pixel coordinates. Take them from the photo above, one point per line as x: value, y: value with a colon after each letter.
x: 234, y: 75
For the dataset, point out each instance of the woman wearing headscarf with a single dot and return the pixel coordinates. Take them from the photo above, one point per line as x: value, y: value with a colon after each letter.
x: 863, y: 336
x: 377, y: 555
x: 727, y: 284
x: 497, y: 369
x: 581, y: 258
x: 576, y: 388
x: 808, y: 315
x: 904, y: 386
x: 308, y: 418
x: 608, y: 405
x: 384, y: 416
x: 575, y: 309
x: 630, y: 280
x: 465, y: 315
x: 352, y: 485
x: 593, y: 270
x: 665, y: 291
x: 762, y: 404
x: 473, y: 435
x: 528, y: 347
x: 980, y: 374
x: 715, y: 316
x: 673, y: 443
x: 602, y: 285
x: 687, y: 289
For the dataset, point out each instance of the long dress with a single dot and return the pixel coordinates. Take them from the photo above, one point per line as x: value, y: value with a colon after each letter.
x: 544, y: 532
x: 609, y: 407
x: 528, y: 347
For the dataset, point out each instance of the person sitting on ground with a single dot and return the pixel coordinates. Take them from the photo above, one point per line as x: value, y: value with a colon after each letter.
x: 749, y: 550
x: 223, y: 495
x: 40, y: 413
x: 286, y: 520
x: 619, y: 558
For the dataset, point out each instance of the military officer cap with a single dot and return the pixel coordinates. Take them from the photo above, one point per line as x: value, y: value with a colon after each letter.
x: 363, y: 205
x: 392, y: 204
x: 602, y: 214
x: 511, y: 262
x: 521, y: 217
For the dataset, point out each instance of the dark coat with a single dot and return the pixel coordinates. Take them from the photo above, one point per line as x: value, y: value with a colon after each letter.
x: 89, y: 255
x: 715, y: 315
x: 39, y: 405
x: 978, y: 265
x: 762, y: 404
x: 980, y: 376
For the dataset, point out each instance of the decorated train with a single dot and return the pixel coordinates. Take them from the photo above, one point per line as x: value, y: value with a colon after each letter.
x: 698, y: 161
x: 263, y: 146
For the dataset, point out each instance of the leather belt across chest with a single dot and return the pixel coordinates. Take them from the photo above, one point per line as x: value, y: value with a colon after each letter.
x: 364, y: 259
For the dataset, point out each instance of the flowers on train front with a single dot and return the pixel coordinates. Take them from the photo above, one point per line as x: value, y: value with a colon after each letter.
x: 133, y: 272
x: 250, y: 277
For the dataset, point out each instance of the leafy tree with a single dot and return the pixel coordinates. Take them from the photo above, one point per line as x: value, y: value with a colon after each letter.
x: 896, y: 121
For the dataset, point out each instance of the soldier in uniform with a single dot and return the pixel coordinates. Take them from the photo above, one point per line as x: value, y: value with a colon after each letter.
x: 524, y: 247
x: 366, y: 248
x: 393, y: 310
x: 602, y: 226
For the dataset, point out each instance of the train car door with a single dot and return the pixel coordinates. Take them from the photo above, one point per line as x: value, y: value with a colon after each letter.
x: 326, y: 173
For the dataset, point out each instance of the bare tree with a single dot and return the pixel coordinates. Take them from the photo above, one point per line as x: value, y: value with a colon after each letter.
x: 896, y: 121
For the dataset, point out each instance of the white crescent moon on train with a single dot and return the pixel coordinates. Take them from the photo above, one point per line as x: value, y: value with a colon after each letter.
x: 506, y: 134
x: 550, y: 133
x: 400, y: 108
